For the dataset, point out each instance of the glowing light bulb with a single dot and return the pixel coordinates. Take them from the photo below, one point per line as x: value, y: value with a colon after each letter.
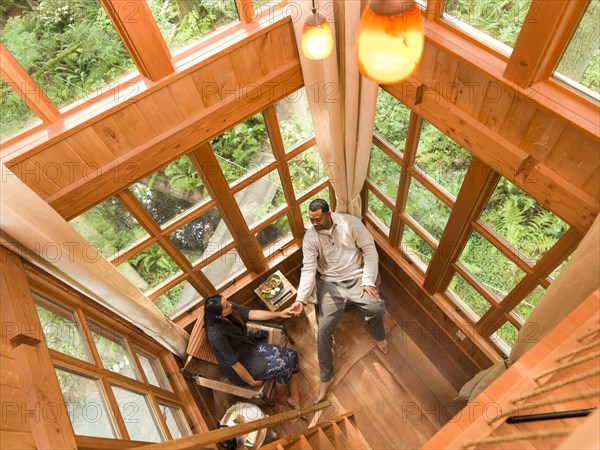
x: 317, y: 39
x: 390, y: 41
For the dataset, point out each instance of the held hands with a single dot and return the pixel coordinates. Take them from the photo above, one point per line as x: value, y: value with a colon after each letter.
x: 371, y: 291
x: 296, y: 309
x: 287, y: 313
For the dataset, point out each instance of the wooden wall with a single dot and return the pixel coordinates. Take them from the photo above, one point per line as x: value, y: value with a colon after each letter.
x: 86, y: 165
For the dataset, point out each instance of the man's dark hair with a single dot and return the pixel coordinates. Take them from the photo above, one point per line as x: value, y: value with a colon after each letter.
x: 318, y: 204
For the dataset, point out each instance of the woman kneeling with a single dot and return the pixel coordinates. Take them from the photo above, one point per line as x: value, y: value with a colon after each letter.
x: 244, y: 361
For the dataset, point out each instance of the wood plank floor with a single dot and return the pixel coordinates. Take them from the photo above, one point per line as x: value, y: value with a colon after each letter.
x: 400, y: 399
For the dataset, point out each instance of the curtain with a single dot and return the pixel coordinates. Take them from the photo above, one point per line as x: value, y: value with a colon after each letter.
x: 342, y: 103
x: 34, y: 230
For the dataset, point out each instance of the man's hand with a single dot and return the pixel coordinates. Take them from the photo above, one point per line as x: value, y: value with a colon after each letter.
x: 371, y: 291
x: 286, y: 313
x: 296, y: 309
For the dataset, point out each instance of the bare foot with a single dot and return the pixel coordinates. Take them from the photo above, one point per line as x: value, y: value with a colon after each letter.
x: 295, y: 404
x: 322, y: 390
x: 383, y: 346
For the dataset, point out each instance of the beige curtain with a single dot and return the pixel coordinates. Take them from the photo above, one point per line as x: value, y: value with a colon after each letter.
x: 342, y: 103
x: 31, y: 228
x: 576, y: 281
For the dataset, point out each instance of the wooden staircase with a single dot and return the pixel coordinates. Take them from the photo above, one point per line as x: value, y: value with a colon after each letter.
x: 338, y: 433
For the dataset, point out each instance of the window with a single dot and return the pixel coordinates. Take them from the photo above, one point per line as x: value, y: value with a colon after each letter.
x: 184, y: 21
x: 149, y: 268
x: 495, y: 23
x: 294, y: 119
x: 430, y: 212
x: 177, y: 299
x: 16, y: 115
x: 384, y: 172
x: 224, y: 268
x: 260, y: 198
x: 416, y: 248
x: 109, y: 227
x: 275, y: 235
x: 306, y: 170
x: 391, y: 121
x: 579, y: 65
x: 70, y: 49
x: 108, y: 372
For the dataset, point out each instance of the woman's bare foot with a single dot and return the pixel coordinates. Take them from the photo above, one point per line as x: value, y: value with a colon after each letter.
x: 295, y: 404
x: 323, y: 390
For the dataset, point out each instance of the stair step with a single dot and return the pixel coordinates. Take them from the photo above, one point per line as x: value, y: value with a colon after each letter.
x: 352, y: 433
x: 300, y: 444
x: 318, y: 439
x: 337, y: 437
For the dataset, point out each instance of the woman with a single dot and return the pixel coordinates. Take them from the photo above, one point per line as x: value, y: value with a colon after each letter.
x: 243, y: 360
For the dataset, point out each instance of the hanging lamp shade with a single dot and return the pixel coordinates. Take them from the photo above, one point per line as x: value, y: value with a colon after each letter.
x: 317, y: 38
x: 390, y: 40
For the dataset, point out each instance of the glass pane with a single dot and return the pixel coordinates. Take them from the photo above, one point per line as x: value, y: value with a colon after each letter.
x: 427, y: 209
x: 260, y: 198
x: 391, y: 120
x: 176, y: 422
x: 581, y: 60
x: 178, y: 298
x: 441, y: 158
x: 61, y: 329
x: 273, y: 236
x: 415, y: 247
x: 306, y: 169
x: 324, y: 194
x: 112, y: 351
x: 508, y: 333
x: 88, y: 409
x: 69, y: 49
x: 501, y: 21
x: 260, y: 3
x: 459, y: 288
x: 203, y: 236
x: 528, y: 303
x: 224, y: 268
x: 153, y: 370
x: 170, y: 191
x: 138, y: 416
x: 494, y: 270
x: 379, y: 209
x: 294, y: 118
x: 184, y: 21
x: 16, y: 115
x: 384, y: 172
x: 243, y: 149
x: 149, y: 268
x: 108, y: 227
x: 524, y: 223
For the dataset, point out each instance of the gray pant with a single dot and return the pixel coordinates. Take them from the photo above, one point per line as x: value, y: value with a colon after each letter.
x: 332, y: 299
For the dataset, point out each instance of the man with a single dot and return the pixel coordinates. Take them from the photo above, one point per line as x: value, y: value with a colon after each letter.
x: 340, y: 248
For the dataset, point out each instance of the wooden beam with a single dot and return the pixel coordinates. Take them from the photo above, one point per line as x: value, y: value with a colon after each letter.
x: 173, y: 143
x: 546, y: 32
x: 44, y: 405
x: 249, y: 249
x: 27, y: 89
x: 477, y: 187
x: 554, y: 192
x: 139, y: 32
x: 245, y: 10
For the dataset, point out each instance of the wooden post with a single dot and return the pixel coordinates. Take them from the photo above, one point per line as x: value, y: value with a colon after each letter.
x: 44, y: 405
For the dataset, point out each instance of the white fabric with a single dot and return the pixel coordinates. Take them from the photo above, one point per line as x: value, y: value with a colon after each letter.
x: 31, y: 227
x: 343, y: 107
x: 347, y: 254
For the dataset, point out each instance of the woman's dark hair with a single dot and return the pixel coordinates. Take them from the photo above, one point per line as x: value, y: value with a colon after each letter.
x: 212, y: 309
x: 318, y: 204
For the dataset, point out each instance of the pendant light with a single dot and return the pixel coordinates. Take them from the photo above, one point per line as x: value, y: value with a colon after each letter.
x: 390, y: 40
x: 317, y: 39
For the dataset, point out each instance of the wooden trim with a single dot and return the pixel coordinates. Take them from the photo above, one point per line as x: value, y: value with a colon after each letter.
x: 546, y: 32
x: 477, y: 187
x: 123, y: 255
x: 294, y: 215
x: 431, y: 185
x: 245, y: 10
x: 434, y: 10
x: 189, y: 215
x: 95, y: 443
x: 248, y: 247
x: 382, y: 196
x: 299, y: 148
x: 389, y: 151
x: 139, y: 32
x: 419, y: 231
x: 30, y: 351
x: 476, y: 284
x: 27, y: 89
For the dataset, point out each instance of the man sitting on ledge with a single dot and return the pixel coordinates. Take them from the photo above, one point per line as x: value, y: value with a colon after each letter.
x: 340, y: 248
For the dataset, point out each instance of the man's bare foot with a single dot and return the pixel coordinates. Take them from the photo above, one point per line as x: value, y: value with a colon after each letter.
x: 383, y: 346
x: 323, y: 390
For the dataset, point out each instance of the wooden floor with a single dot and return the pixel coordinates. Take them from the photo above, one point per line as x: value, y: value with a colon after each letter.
x: 400, y: 399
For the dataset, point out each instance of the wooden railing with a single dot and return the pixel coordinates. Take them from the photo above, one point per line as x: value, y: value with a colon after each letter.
x: 199, y: 441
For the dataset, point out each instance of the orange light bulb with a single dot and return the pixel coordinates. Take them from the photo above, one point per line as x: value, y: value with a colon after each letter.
x: 390, y: 46
x: 317, y: 39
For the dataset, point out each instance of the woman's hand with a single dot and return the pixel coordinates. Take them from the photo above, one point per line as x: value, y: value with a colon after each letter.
x: 256, y: 383
x: 286, y: 313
